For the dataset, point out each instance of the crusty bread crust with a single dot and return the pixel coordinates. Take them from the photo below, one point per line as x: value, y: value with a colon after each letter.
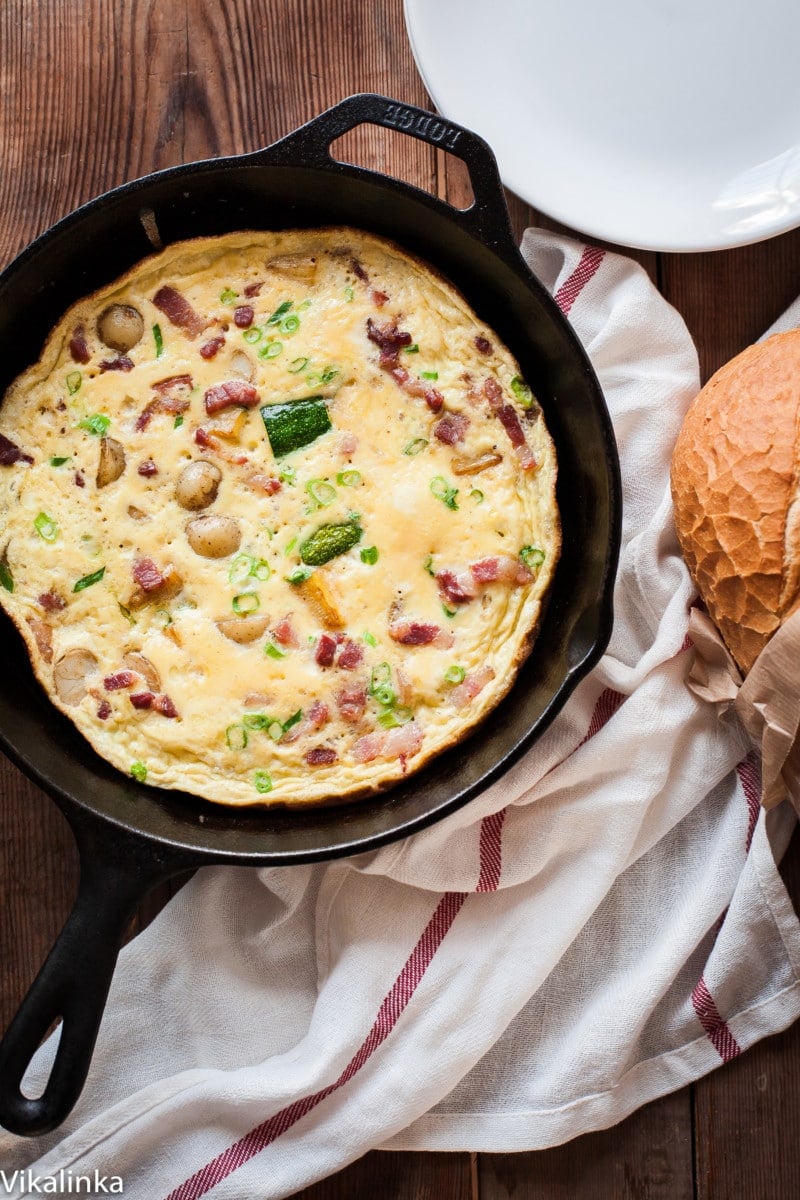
x: 735, y: 490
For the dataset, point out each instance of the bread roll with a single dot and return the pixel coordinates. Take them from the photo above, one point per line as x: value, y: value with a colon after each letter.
x: 735, y: 489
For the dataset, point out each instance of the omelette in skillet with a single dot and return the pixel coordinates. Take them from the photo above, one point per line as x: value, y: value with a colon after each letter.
x: 277, y: 517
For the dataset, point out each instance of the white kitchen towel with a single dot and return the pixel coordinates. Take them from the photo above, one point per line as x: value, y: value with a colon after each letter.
x: 600, y: 927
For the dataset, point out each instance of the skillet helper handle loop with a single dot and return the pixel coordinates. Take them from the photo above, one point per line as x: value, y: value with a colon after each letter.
x: 72, y: 985
x: 488, y: 217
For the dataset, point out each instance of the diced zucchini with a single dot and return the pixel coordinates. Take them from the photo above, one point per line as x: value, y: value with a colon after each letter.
x: 329, y: 541
x: 295, y: 423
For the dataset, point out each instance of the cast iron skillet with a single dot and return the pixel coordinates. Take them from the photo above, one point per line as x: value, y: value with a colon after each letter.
x: 131, y: 837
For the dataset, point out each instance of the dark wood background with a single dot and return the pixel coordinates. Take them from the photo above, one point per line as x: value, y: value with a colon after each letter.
x: 95, y: 92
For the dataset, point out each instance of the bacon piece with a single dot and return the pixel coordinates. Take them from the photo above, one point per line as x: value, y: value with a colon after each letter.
x: 147, y: 575
x: 350, y: 655
x: 78, y: 349
x: 493, y: 393
x: 177, y: 309
x: 509, y: 419
x: 414, y: 387
x: 210, y: 349
x: 120, y: 363
x: 502, y: 567
x: 170, y: 383
x: 419, y: 633
x: 451, y: 428
x: 261, y: 482
x: 351, y: 702
x: 434, y: 399
x: 348, y: 444
x: 397, y: 743
x: 119, y: 680
x: 314, y: 719
x: 378, y: 298
x: 253, y: 289
x: 326, y: 650
x: 358, y: 270
x: 243, y: 316
x: 164, y: 705
x: 206, y: 440
x: 51, y: 602
x: 318, y: 714
x: 389, y: 339
x: 10, y: 453
x: 405, y: 691
x: 483, y: 345
x: 141, y: 699
x: 511, y: 423
x: 321, y: 756
x: 103, y: 710
x: 465, y: 692
x: 43, y: 635
x: 234, y: 393
x: 78, y: 479
x: 148, y: 467
x: 458, y: 588
x: 284, y: 633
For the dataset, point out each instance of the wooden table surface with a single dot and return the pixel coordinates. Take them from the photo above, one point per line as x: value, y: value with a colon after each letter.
x: 96, y: 92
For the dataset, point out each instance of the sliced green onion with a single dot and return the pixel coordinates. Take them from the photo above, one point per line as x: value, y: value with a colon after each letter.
x: 444, y: 491
x: 449, y: 612
x: 380, y: 675
x: 279, y: 312
x: 159, y: 340
x: 477, y: 495
x: 176, y: 424
x: 288, y: 475
x: 329, y: 374
x: 532, y: 556
x: 139, y: 771
x: 126, y: 612
x: 240, y: 568
x: 428, y: 565
x: 163, y: 617
x: 290, y: 545
x: 292, y: 720
x: 413, y: 349
x: 394, y: 717
x: 522, y: 392
x: 271, y: 350
x: 297, y: 365
x: 275, y: 730
x: 227, y: 296
x: 236, y: 737
x: 6, y: 578
x: 321, y: 492
x: 415, y: 447
x: 274, y: 651
x: 256, y: 721
x: 73, y: 381
x: 97, y: 424
x: 261, y: 569
x: 87, y: 580
x: 289, y: 324
x: 253, y: 334
x: 454, y: 675
x: 348, y: 294
x: 245, y: 602
x: 385, y: 695
x: 305, y: 304
x: 370, y: 639
x: 429, y: 374
x: 58, y: 460
x: 298, y: 575
x: 369, y: 555
x: 348, y: 478
x: 262, y: 782
x: 46, y: 527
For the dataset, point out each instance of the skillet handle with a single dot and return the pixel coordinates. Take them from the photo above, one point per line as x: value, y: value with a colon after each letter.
x: 309, y: 145
x: 73, y: 982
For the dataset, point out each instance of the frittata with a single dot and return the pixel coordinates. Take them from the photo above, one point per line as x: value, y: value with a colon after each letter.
x: 277, y: 516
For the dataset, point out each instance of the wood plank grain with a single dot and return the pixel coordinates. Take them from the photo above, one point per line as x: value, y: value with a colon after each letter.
x: 646, y: 1157
x: 397, y: 1175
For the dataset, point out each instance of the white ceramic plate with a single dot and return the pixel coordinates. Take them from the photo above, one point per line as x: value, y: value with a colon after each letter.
x: 662, y: 124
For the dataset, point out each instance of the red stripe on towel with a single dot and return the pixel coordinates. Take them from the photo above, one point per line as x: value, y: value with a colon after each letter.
x: 750, y: 779
x: 389, y: 1012
x: 716, y: 1030
x: 605, y: 706
x: 491, y: 852
x: 574, y: 284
